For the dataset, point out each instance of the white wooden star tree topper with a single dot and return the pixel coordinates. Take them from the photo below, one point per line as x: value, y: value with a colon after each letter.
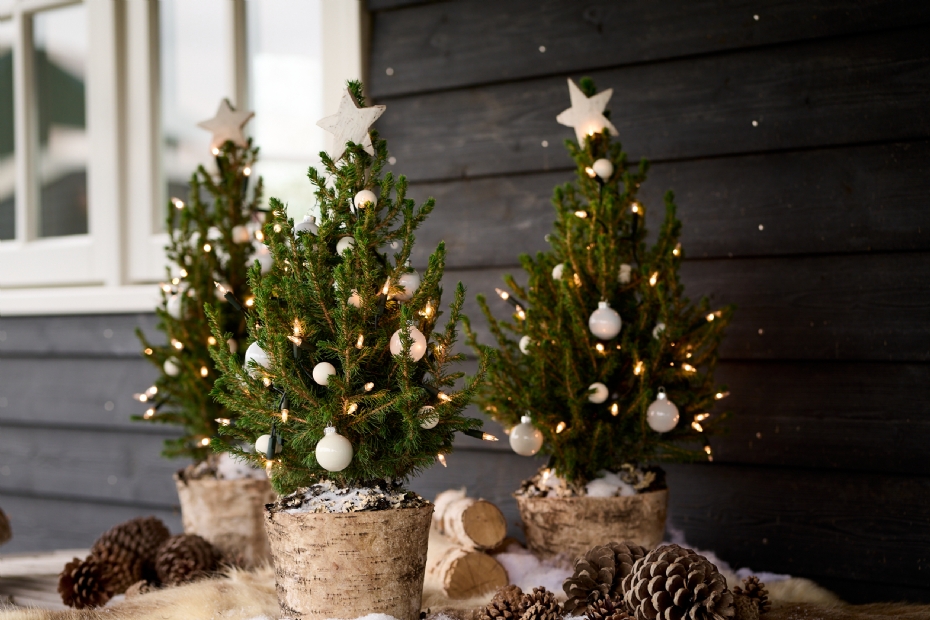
x: 350, y: 124
x: 586, y: 115
x: 227, y: 125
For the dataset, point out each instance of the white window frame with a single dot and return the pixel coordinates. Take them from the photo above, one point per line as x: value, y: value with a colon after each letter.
x: 115, y: 267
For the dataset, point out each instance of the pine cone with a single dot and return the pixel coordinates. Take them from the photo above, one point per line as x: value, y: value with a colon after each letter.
x: 541, y: 605
x: 498, y: 610
x: 599, y: 574
x: 183, y: 558
x: 753, y: 594
x: 513, y: 597
x: 610, y: 608
x: 80, y: 584
x: 124, y: 551
x: 672, y: 582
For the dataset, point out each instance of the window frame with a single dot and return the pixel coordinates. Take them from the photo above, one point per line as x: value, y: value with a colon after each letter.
x: 115, y: 267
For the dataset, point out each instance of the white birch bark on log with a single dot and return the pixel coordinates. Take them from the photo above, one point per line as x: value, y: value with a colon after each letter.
x: 461, y: 573
x: 471, y: 523
x: 229, y: 514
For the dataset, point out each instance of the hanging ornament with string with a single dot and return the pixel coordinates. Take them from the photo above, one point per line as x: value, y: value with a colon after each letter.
x: 603, y: 168
x: 525, y: 343
x: 428, y: 417
x: 410, y: 282
x: 333, y: 452
x: 526, y: 439
x: 308, y: 225
x: 365, y: 198
x: 256, y: 354
x: 417, y: 347
x: 263, y: 444
x: 662, y: 415
x: 604, y: 322
x: 600, y: 393
x: 322, y: 372
x: 344, y: 244
x: 172, y: 366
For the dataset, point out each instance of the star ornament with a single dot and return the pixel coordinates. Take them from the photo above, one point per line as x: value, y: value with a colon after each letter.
x: 350, y: 124
x: 586, y: 115
x: 227, y: 125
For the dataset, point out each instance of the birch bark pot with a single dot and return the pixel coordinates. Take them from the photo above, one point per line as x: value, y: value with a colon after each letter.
x: 571, y: 526
x: 348, y: 565
x: 229, y: 514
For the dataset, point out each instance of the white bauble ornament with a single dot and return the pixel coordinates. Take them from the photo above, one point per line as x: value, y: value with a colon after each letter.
x: 657, y: 330
x: 173, y: 306
x: 626, y: 272
x: 308, y: 224
x: 172, y: 367
x: 344, y: 244
x: 429, y: 416
x: 557, y: 271
x: 334, y: 452
x: 261, y: 445
x: 604, y: 322
x: 240, y: 234
x: 603, y: 168
x: 525, y: 343
x: 599, y: 394
x: 354, y: 299
x: 256, y: 354
x: 417, y: 348
x: 662, y: 414
x: 364, y: 197
x: 526, y: 439
x: 410, y: 282
x: 322, y: 372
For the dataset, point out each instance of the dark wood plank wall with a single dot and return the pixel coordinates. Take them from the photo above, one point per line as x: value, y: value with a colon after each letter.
x: 796, y: 136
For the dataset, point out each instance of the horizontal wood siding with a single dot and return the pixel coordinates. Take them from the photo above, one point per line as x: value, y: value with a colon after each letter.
x: 813, y: 220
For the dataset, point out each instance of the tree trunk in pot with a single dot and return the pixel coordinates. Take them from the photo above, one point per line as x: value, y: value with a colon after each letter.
x: 348, y: 565
x: 229, y: 514
x: 571, y: 526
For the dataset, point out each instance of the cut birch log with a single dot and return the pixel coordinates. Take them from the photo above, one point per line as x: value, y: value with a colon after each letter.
x: 469, y: 522
x: 461, y: 573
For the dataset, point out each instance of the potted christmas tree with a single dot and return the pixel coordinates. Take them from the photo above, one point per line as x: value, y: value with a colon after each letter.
x: 214, y: 237
x: 348, y: 386
x: 605, y: 366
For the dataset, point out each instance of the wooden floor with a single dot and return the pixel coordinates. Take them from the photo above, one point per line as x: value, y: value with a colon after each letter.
x: 31, y: 579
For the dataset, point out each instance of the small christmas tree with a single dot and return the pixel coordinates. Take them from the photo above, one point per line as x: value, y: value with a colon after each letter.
x: 603, y: 341
x: 348, y: 378
x: 212, y: 243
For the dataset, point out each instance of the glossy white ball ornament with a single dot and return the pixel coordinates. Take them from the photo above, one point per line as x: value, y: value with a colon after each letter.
x: 308, y: 224
x: 261, y: 445
x: 417, y: 348
x: 322, y: 372
x: 662, y: 415
x: 172, y: 367
x: 599, y: 394
x: 410, y: 283
x: 364, y: 198
x: 344, y: 244
x: 526, y: 439
x: 429, y: 416
x: 240, y: 234
x: 256, y: 354
x: 603, y: 168
x: 173, y: 306
x: 557, y: 271
x: 334, y: 452
x: 525, y: 343
x: 604, y: 322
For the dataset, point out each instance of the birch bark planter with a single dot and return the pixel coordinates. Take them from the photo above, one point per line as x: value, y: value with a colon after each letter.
x: 348, y: 565
x: 229, y: 514
x: 571, y: 526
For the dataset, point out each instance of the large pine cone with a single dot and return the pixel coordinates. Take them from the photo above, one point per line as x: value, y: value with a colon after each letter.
x: 599, y: 574
x: 672, y: 583
x: 541, y: 604
x: 508, y: 601
x: 610, y: 608
x: 183, y: 558
x: 498, y: 610
x: 81, y: 584
x: 126, y: 550
x: 752, y: 600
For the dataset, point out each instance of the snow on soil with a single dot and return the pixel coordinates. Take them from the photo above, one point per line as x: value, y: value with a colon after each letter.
x: 328, y: 497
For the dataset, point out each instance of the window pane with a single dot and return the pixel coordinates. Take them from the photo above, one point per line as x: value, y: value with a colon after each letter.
x: 196, y: 73
x: 7, y: 165
x: 60, y: 39
x: 285, y: 72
